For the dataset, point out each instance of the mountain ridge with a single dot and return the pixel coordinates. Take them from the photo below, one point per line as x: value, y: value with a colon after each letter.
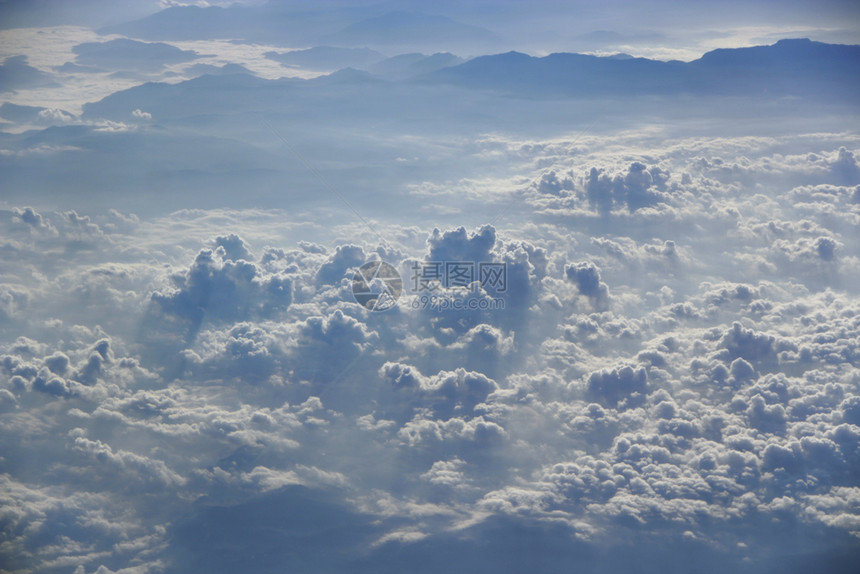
x: 791, y: 66
x: 716, y: 74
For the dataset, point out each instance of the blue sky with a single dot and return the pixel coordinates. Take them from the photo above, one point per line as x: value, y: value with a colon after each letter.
x: 617, y: 328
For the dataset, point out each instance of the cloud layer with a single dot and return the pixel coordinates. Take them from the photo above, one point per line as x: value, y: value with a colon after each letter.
x: 641, y: 383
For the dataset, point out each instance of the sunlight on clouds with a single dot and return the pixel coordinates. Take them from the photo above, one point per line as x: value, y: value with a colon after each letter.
x: 252, y: 56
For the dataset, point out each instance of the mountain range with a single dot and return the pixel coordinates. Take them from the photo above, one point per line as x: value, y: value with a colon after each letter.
x: 789, y: 68
x: 351, y: 26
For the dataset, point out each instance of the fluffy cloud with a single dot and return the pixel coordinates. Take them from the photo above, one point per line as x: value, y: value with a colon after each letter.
x: 586, y: 276
x: 618, y: 386
x: 222, y: 286
x: 671, y: 408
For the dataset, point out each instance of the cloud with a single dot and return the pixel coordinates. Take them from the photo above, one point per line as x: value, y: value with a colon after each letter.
x: 221, y: 286
x: 681, y: 404
x: 459, y: 245
x: 625, y: 385
x: 130, y: 466
x: 750, y: 345
x: 586, y: 276
x: 141, y: 115
x: 446, y: 392
x: 344, y: 258
x: 845, y: 168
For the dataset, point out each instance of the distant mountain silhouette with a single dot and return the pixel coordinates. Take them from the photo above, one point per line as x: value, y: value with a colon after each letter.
x: 272, y: 22
x: 327, y: 58
x: 563, y: 73
x: 796, y: 68
x: 123, y: 53
x: 18, y: 113
x: 346, y: 77
x: 186, y: 23
x: 282, y: 24
x: 410, y: 65
x: 16, y: 74
x: 413, y: 29
x: 789, y: 67
x: 212, y: 70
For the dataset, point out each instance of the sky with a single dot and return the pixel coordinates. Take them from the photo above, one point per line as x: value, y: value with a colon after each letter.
x: 390, y: 286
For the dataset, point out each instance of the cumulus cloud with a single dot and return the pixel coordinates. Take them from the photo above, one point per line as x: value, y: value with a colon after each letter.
x: 638, y: 187
x: 625, y: 386
x: 846, y: 171
x: 141, y: 115
x: 222, y: 286
x: 459, y: 245
x: 446, y: 392
x: 675, y: 406
x: 586, y: 276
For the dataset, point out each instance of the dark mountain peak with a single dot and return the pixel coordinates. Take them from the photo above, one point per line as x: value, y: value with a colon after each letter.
x: 496, y: 60
x: 787, y: 51
x: 212, y: 70
x: 347, y: 76
x: 513, y: 54
x: 789, y: 67
x: 795, y: 42
x: 414, y: 64
x: 224, y: 80
x: 19, y: 113
x: 323, y: 58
